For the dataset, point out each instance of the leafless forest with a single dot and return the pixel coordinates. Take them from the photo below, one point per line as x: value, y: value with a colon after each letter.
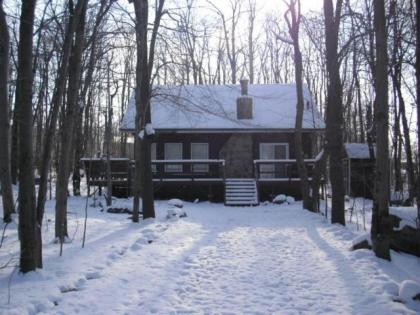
x: 68, y: 69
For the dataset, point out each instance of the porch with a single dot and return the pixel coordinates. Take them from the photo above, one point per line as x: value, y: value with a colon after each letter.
x: 201, y: 178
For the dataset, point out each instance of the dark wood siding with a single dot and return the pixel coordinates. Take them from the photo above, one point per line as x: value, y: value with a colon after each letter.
x: 216, y: 142
x: 284, y: 138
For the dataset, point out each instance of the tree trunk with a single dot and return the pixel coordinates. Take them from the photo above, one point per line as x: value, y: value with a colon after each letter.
x: 71, y: 113
x: 303, y: 174
x: 57, y: 99
x: 381, y: 226
x: 407, y: 146
x: 27, y: 211
x: 334, y: 128
x: 293, y: 23
x: 142, y: 99
x: 418, y: 105
x: 14, y: 154
x: 76, y: 178
x: 5, y: 176
x: 251, y: 22
x: 108, y: 138
x: 145, y: 60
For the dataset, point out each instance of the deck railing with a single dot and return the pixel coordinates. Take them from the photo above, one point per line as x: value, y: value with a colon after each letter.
x: 280, y: 170
x: 188, y: 170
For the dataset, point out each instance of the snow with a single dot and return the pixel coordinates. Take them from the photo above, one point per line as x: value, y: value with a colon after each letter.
x: 176, y: 213
x: 218, y: 260
x: 409, y: 289
x: 290, y: 200
x: 357, y: 150
x: 359, y: 239
x: 214, y: 107
x: 407, y: 214
x: 176, y: 203
x: 279, y: 199
x: 149, y: 129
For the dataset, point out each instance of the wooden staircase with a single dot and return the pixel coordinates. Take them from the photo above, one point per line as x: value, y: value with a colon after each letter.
x: 241, y: 192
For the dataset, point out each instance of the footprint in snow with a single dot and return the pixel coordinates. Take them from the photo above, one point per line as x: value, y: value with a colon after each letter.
x: 55, y: 299
x: 122, y: 251
x: 113, y: 256
x: 93, y: 275
x: 71, y: 287
x: 136, y: 247
x: 140, y: 242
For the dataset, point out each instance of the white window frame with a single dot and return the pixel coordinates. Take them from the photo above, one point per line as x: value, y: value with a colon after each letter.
x: 200, y: 168
x: 173, y: 168
x: 270, y: 167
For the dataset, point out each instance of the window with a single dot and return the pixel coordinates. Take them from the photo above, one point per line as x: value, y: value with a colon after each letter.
x: 153, y: 156
x: 200, y: 151
x: 173, y: 151
x: 273, y: 151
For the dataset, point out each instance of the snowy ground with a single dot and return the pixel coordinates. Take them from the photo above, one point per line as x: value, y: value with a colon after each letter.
x: 219, y: 260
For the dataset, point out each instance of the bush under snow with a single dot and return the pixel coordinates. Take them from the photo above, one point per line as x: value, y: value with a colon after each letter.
x: 176, y: 213
x: 176, y: 203
x: 409, y: 290
x: 176, y: 210
x: 280, y: 199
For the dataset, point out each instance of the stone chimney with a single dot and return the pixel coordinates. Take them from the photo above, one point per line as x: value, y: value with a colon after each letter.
x: 244, y: 87
x: 244, y: 103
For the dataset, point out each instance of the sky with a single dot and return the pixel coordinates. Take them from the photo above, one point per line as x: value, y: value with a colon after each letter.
x: 307, y: 5
x: 276, y: 5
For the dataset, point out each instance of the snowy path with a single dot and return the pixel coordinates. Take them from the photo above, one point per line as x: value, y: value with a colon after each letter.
x: 263, y: 260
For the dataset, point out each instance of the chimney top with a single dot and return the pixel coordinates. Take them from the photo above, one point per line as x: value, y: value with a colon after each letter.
x: 244, y: 86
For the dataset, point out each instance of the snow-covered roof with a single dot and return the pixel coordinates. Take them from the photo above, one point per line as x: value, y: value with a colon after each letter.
x: 204, y: 107
x: 357, y: 150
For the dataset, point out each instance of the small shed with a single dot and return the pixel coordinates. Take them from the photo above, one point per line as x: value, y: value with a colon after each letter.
x: 358, y: 170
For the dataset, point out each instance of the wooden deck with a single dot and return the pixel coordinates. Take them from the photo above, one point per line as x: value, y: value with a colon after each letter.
x: 188, y: 174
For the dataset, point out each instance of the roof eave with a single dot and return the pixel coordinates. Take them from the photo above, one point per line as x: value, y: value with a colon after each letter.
x: 227, y: 130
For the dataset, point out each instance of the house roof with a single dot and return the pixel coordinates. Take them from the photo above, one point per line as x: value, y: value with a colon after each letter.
x: 358, y: 150
x: 213, y: 107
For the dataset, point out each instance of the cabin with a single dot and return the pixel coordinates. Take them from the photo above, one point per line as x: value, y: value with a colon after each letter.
x: 358, y: 170
x: 231, y: 143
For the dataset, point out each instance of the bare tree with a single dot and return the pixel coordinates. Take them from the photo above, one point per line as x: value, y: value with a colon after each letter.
x: 5, y: 176
x: 292, y: 17
x: 69, y: 122
x: 145, y: 60
x: 381, y: 226
x: 26, y: 208
x: 229, y: 26
x: 399, y: 50
x: 56, y: 104
x: 334, y: 121
x: 418, y: 104
x: 251, y: 44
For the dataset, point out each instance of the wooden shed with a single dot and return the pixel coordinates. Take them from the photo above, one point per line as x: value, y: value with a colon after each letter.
x: 358, y: 170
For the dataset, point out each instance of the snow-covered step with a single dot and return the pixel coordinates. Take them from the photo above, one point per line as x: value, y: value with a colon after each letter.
x: 240, y: 203
x: 251, y: 198
x: 241, y: 192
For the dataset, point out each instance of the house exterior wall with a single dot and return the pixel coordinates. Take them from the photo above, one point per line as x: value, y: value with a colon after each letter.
x: 234, y: 144
x: 238, y: 150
